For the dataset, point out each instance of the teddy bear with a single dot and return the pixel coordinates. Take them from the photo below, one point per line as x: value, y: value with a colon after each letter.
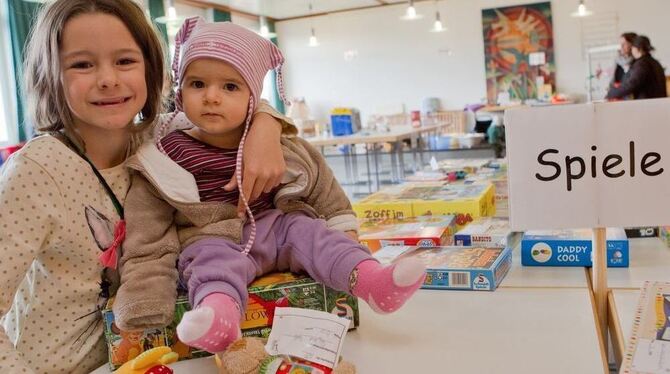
x: 248, y: 355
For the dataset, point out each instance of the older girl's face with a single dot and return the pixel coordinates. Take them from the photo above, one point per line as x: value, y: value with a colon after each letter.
x: 102, y: 72
x: 637, y: 53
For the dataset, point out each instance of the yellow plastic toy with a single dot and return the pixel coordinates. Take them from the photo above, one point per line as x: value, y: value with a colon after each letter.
x: 142, y: 364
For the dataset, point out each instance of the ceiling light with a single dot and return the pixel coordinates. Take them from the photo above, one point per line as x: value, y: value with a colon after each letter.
x: 171, y: 15
x: 265, y: 28
x: 437, y: 25
x: 313, y: 41
x: 410, y: 12
x: 582, y: 11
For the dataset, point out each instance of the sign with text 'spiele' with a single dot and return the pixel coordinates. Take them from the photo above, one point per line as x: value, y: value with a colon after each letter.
x: 589, y: 165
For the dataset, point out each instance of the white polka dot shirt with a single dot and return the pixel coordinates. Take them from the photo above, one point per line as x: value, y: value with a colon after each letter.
x: 49, y: 267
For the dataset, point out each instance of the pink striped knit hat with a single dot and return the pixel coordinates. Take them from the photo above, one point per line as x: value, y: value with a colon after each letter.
x: 249, y: 53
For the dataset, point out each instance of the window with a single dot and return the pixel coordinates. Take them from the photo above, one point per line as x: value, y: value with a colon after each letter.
x: 8, y: 117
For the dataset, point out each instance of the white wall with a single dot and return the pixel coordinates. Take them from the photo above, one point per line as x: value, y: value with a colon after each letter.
x: 401, y: 62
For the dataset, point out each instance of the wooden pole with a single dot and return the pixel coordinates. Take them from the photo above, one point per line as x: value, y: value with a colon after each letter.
x: 599, y: 272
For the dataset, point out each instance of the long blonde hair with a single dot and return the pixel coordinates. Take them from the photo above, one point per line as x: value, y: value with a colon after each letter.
x: 43, y: 88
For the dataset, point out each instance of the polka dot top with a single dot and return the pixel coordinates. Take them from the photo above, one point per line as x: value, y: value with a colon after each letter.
x: 50, y: 205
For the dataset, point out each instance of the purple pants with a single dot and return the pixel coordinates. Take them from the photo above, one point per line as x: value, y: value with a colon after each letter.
x: 283, y: 242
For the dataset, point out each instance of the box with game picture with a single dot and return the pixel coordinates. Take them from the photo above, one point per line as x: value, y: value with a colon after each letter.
x: 465, y: 202
x: 265, y: 294
x: 485, y: 231
x: 425, y: 231
x: 571, y: 248
x: 456, y: 268
x: 123, y: 346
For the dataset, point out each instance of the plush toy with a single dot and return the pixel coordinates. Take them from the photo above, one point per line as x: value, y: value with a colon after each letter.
x: 248, y: 356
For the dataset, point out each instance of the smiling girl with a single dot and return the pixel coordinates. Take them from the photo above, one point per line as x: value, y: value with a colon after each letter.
x: 94, y: 76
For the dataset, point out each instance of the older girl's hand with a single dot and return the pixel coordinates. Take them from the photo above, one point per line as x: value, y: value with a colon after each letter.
x: 263, y: 160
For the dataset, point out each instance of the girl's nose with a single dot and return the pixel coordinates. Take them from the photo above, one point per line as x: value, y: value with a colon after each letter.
x: 107, y: 77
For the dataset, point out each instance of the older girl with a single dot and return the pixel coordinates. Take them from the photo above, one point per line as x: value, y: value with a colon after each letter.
x: 61, y: 196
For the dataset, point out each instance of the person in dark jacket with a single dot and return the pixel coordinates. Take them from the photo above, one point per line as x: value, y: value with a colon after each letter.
x: 646, y: 77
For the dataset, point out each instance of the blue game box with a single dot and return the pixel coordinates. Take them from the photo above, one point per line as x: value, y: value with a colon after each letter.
x: 571, y: 248
x: 455, y: 268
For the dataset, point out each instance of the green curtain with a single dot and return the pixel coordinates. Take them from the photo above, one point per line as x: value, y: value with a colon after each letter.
x: 21, y: 17
x: 157, y: 9
x: 221, y: 16
x: 279, y: 105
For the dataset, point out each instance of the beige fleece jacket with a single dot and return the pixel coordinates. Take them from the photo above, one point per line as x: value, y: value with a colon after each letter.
x: 164, y: 214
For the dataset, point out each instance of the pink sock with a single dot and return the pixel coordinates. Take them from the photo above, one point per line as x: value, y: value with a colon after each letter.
x: 213, y: 325
x: 387, y: 288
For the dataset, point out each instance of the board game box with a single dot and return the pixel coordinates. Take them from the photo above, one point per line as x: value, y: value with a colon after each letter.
x: 664, y: 234
x: 641, y: 232
x: 265, y: 294
x: 647, y: 347
x: 425, y: 231
x: 456, y: 268
x: 465, y: 202
x: 571, y: 248
x: 484, y: 231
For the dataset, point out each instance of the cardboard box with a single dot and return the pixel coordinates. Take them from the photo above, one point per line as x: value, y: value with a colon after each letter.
x: 265, y: 294
x: 641, y: 232
x: 468, y: 165
x: 345, y: 121
x: 124, y: 346
x: 425, y: 231
x: 465, y: 202
x: 456, y: 268
x: 571, y: 248
x: 297, y: 291
x: 484, y: 231
x: 664, y: 234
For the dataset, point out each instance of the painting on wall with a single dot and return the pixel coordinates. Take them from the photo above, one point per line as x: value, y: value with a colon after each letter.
x: 519, y: 53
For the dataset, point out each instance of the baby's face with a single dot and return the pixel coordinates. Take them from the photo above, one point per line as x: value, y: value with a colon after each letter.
x: 215, y: 98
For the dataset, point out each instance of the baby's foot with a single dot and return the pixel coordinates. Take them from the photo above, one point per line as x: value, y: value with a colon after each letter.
x: 213, y: 325
x: 387, y: 288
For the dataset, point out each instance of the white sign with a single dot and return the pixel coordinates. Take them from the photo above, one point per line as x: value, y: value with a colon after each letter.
x: 589, y: 165
x: 309, y: 334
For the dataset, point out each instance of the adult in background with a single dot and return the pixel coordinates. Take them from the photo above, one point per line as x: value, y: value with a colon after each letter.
x: 625, y: 58
x: 646, y: 77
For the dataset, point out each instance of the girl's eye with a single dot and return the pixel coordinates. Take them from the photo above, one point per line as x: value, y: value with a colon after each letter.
x: 230, y: 87
x: 198, y: 84
x: 81, y: 65
x: 126, y: 61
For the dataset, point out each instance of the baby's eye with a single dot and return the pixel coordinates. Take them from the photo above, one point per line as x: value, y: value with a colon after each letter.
x: 197, y: 84
x: 230, y: 87
x: 81, y: 65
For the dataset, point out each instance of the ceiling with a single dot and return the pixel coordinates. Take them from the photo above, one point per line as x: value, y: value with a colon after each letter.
x: 289, y: 9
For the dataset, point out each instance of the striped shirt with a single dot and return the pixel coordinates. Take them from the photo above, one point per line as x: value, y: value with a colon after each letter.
x: 212, y: 168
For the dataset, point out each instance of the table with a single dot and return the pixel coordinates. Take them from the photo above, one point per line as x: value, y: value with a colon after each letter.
x: 625, y: 302
x: 508, y: 330
x: 649, y: 260
x: 395, y: 137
